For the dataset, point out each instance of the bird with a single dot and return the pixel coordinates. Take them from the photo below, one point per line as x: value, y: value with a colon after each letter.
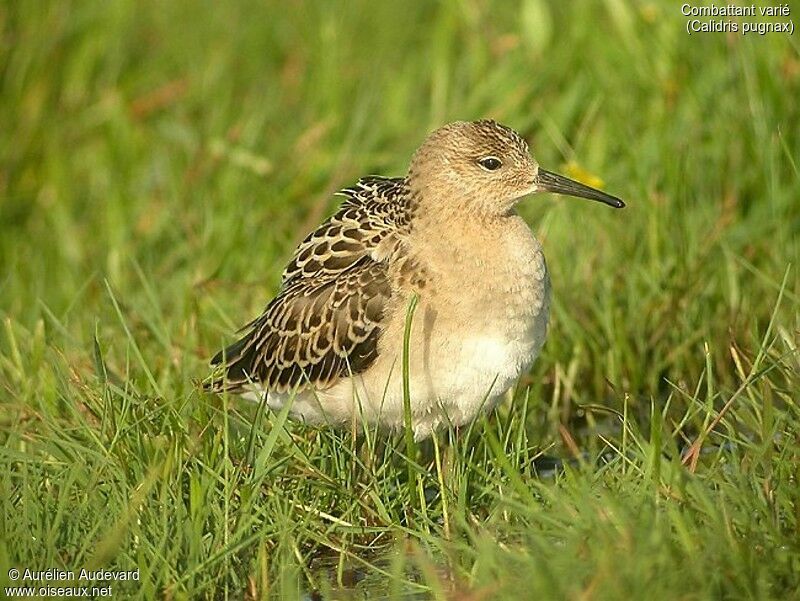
x: 448, y: 236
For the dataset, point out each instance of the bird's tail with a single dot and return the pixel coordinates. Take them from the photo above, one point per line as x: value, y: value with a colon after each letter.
x: 231, y: 367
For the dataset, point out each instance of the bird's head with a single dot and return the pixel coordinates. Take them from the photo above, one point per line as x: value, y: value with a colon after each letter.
x: 486, y: 167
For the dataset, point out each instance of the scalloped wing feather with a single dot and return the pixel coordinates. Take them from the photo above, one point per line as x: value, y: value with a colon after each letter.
x: 327, y: 319
x: 374, y: 208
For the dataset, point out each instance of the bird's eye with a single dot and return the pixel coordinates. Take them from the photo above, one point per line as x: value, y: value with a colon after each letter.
x: 490, y: 163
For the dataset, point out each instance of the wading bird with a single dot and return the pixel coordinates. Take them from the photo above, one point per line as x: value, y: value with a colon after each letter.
x: 446, y: 234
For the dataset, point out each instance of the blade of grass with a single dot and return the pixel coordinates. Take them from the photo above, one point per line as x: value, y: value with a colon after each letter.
x: 411, y: 447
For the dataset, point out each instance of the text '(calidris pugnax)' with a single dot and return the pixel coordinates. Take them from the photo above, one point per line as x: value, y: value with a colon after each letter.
x: 447, y: 234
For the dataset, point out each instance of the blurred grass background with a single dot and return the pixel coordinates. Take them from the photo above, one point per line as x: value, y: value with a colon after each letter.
x: 158, y: 161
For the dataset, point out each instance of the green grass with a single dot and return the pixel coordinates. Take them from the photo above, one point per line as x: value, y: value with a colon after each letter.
x: 158, y: 161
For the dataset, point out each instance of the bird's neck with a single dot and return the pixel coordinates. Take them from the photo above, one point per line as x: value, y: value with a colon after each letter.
x: 437, y: 209
x: 472, y: 239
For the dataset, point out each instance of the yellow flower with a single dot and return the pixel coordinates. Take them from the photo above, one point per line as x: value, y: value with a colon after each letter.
x: 576, y: 172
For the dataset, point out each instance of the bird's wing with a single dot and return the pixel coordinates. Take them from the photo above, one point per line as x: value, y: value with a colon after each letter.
x: 328, y: 316
x: 374, y: 209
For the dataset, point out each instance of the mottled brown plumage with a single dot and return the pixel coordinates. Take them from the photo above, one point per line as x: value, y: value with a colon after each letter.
x: 325, y: 321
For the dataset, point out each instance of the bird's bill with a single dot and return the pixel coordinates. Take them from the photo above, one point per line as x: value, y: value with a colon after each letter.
x: 547, y: 181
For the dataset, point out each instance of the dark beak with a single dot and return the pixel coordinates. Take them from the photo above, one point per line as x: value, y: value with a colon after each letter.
x: 547, y: 181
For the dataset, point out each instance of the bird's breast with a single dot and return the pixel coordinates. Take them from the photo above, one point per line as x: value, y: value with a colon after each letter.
x: 485, y: 313
x: 497, y: 278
